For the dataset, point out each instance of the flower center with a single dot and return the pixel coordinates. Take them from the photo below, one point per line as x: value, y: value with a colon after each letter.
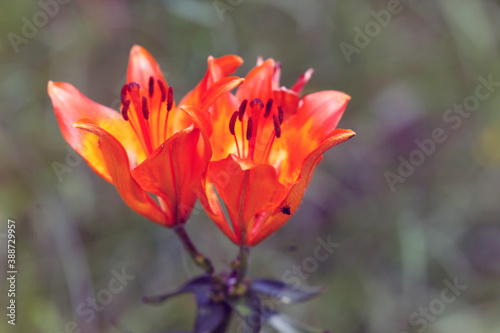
x: 255, y: 141
x: 145, y: 110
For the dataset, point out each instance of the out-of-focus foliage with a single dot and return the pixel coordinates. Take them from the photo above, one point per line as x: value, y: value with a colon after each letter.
x: 394, y: 248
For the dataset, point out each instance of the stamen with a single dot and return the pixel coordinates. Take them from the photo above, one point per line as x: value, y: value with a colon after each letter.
x: 145, y: 108
x: 163, y: 91
x: 133, y: 85
x: 123, y: 94
x: 249, y: 129
x: 286, y: 210
x: 280, y: 114
x: 151, y: 86
x: 277, y: 127
x: 170, y: 99
x: 269, y: 105
x: 232, y: 122
x: 255, y: 101
x: 125, y: 107
x: 241, y: 111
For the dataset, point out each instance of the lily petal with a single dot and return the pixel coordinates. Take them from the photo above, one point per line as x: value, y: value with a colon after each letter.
x: 218, y: 68
x: 318, y: 115
x: 142, y: 66
x: 71, y: 105
x: 258, y: 83
x: 174, y: 172
x: 320, y: 112
x: 302, y: 81
x: 117, y: 164
x: 296, y: 193
x: 247, y: 189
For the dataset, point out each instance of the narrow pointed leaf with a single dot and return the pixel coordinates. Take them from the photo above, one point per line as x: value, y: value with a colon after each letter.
x: 285, y: 324
x: 283, y: 292
x: 198, y: 285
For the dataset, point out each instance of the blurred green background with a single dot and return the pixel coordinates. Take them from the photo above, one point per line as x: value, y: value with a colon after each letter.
x: 402, y: 236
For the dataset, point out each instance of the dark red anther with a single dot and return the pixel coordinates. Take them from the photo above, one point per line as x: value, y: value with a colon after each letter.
x: 232, y: 122
x: 249, y: 129
x: 170, y: 99
x: 242, y: 108
x: 280, y: 114
x: 132, y: 85
x: 163, y: 91
x: 269, y: 106
x: 123, y: 94
x: 125, y: 107
x: 277, y: 127
x: 151, y: 86
x: 145, y: 108
x: 257, y: 101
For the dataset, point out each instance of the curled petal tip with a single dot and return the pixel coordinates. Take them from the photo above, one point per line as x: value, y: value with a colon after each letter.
x: 83, y: 124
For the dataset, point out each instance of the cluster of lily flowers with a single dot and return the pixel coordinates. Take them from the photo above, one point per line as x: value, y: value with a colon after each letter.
x: 250, y: 154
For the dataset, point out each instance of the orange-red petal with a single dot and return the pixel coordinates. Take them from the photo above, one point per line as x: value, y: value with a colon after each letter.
x: 117, y: 164
x: 247, y: 189
x: 70, y: 105
x: 218, y: 68
x: 174, y: 172
x: 303, y: 132
x: 258, y: 83
x: 296, y: 193
x: 302, y: 81
x: 142, y: 66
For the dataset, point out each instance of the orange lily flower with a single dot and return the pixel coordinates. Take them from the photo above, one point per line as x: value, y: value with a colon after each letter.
x: 265, y: 152
x: 152, y: 146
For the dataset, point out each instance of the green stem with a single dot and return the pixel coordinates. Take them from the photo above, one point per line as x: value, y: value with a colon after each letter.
x: 243, y: 262
x: 199, y: 258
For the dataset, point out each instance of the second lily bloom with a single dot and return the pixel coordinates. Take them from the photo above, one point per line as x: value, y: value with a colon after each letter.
x: 266, y: 142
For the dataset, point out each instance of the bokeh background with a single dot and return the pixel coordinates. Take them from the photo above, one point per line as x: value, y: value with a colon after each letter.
x: 397, y: 239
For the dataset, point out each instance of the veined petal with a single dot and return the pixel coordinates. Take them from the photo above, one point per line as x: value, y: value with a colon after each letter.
x: 174, y: 172
x: 71, y: 105
x: 318, y: 115
x: 220, y: 88
x: 320, y: 112
x: 210, y: 202
x: 208, y: 196
x: 247, y: 189
x: 258, y: 83
x: 142, y: 66
x: 218, y: 68
x: 145, y: 71
x: 118, y: 167
x: 288, y: 100
x: 296, y: 193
